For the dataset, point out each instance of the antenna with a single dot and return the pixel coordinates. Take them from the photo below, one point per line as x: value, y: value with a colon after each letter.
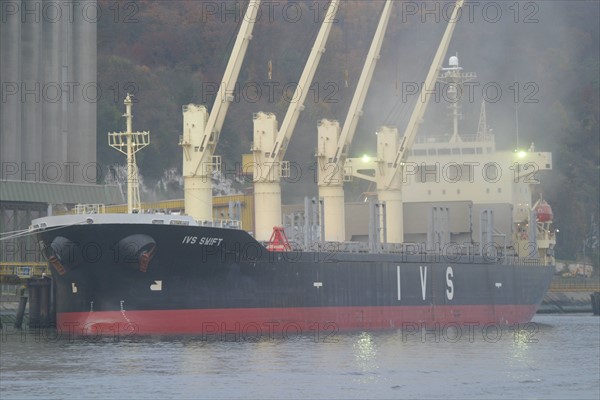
x: 482, y: 129
x: 130, y: 143
x: 454, y: 78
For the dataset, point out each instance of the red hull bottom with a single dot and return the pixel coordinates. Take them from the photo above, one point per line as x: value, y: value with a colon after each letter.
x: 260, y: 323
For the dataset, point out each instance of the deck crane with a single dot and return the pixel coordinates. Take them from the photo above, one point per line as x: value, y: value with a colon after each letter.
x: 270, y: 143
x: 392, y: 155
x: 332, y: 147
x: 201, y: 131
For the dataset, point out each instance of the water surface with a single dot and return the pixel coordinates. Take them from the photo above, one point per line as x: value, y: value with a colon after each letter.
x: 555, y: 357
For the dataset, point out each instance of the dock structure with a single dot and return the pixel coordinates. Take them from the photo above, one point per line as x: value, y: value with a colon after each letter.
x: 572, y: 295
x: 575, y: 285
x: 29, y: 269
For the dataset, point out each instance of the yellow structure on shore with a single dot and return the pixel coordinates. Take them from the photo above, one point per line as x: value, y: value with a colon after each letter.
x: 221, y: 208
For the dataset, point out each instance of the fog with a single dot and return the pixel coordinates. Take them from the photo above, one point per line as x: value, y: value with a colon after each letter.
x: 530, y: 56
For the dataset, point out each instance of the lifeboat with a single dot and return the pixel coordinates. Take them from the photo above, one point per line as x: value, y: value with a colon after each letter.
x: 544, y: 212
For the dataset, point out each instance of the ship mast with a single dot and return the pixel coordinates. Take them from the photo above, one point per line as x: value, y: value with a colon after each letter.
x: 454, y: 78
x: 129, y: 143
x: 482, y: 129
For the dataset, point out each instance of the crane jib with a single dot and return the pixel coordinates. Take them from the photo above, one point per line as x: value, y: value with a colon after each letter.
x: 396, y: 160
x: 275, y: 149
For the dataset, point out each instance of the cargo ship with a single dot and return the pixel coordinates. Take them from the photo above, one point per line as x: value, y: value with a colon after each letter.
x: 162, y: 273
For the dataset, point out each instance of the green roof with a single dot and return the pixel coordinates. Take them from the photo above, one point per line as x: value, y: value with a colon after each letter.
x: 59, y: 193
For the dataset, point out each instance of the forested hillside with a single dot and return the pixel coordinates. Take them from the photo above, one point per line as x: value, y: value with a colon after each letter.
x: 543, y: 55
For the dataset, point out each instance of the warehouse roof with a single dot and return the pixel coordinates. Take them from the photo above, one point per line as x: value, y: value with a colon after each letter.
x: 59, y: 193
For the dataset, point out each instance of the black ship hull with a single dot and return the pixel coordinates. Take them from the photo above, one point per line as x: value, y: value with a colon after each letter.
x: 154, y: 278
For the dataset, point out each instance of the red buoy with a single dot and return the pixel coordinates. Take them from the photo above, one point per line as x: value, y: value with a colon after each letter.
x: 544, y: 212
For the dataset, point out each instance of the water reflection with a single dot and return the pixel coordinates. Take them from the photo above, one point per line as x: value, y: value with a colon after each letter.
x: 523, y: 363
x: 365, y: 354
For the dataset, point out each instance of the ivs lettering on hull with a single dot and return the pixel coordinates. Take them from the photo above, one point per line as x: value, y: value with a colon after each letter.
x: 202, y: 241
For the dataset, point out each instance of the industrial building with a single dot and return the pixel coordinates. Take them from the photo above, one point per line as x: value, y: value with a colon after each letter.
x: 49, y: 93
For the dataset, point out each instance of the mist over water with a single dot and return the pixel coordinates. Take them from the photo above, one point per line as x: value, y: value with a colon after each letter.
x: 555, y: 357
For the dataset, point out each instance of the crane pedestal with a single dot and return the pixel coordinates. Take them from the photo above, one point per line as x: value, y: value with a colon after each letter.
x: 394, y: 214
x: 331, y: 182
x: 267, y: 208
x: 198, y: 197
x: 197, y: 171
x: 333, y: 211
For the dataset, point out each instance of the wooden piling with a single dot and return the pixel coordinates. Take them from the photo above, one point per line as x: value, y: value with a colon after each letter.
x: 20, y: 312
x: 595, y: 303
x: 40, y: 303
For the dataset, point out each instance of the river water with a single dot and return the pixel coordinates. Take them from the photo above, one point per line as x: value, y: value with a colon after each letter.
x: 554, y: 357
